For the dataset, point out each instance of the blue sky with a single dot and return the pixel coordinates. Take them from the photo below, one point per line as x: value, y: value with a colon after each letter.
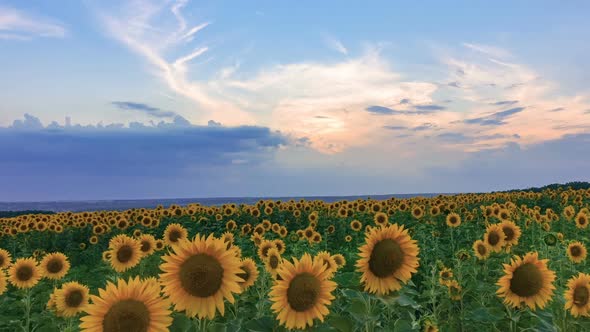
x: 192, y: 98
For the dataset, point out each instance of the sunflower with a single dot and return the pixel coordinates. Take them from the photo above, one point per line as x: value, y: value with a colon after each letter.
x: 135, y: 305
x: 264, y: 247
x: 125, y: 252
x: 581, y: 220
x: 348, y: 238
x: 174, y: 233
x: 339, y: 260
x: 430, y: 326
x: 511, y: 232
x: 527, y: 280
x: 302, y: 294
x: 5, y: 259
x: 199, y: 275
x: 55, y: 266
x: 576, y: 252
x: 3, y: 282
x: 147, y: 244
x: 445, y: 276
x: 356, y: 225
x: 454, y: 290
x: 272, y: 261
x: 328, y: 261
x: 481, y: 249
x: 577, y: 295
x: 24, y: 273
x: 494, y: 237
x: 453, y: 220
x: 388, y: 258
x: 71, y: 299
x: 381, y: 219
x: 250, y: 273
x: 280, y: 245
x: 417, y: 212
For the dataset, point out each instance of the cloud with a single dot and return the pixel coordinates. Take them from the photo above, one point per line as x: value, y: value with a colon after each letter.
x: 558, y: 109
x: 488, y: 50
x: 430, y: 107
x: 381, y: 110
x: 335, y: 44
x: 28, y: 148
x: 495, y: 119
x: 18, y: 25
x: 149, y: 110
x: 505, y: 103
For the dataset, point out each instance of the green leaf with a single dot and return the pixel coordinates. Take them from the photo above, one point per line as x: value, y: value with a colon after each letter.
x: 261, y: 324
x: 340, y: 323
x: 402, y: 325
x: 217, y: 327
x: 485, y: 315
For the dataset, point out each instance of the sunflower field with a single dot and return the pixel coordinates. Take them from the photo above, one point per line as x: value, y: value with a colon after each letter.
x: 470, y: 262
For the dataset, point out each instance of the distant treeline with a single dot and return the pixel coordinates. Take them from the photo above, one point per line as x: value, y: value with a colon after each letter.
x: 576, y: 185
x: 10, y: 214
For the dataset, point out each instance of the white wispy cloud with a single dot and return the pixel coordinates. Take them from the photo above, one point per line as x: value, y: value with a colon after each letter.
x: 18, y: 25
x: 335, y: 44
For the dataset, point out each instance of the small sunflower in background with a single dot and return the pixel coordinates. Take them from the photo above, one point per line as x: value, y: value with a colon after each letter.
x: 174, y: 233
x: 511, y: 232
x: 581, y: 220
x: 5, y: 259
x: 249, y: 275
x: 272, y: 261
x: 481, y: 249
x: 302, y: 294
x: 577, y: 295
x: 576, y: 252
x: 527, y: 280
x: 381, y: 219
x: 328, y: 261
x: 445, y: 276
x: 147, y: 244
x: 454, y: 290
x: 453, y: 220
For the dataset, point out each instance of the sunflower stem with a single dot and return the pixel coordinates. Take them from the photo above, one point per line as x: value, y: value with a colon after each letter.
x: 27, y: 310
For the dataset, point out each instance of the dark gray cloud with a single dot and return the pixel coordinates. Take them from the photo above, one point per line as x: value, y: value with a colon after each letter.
x: 505, y: 103
x: 454, y: 84
x: 430, y: 107
x: 395, y: 127
x: 382, y: 110
x: 495, y: 119
x: 559, y: 109
x: 150, y: 110
x: 404, y: 101
x: 115, y: 150
x: 456, y: 137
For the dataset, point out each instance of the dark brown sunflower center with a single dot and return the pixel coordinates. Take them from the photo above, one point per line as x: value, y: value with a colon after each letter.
x: 493, y: 238
x: 576, y: 251
x: 124, y: 254
x: 581, y: 296
x: 54, y: 266
x: 303, y: 292
x: 526, y: 281
x: 453, y: 220
x: 174, y: 236
x: 380, y: 219
x: 273, y: 261
x: 74, y: 298
x: 386, y: 258
x: 146, y: 246
x: 24, y: 273
x: 508, y: 232
x: 127, y: 316
x: 245, y: 276
x: 265, y: 251
x: 481, y: 249
x: 201, y: 275
x: 446, y: 275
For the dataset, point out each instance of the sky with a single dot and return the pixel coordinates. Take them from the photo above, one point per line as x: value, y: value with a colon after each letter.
x: 166, y: 99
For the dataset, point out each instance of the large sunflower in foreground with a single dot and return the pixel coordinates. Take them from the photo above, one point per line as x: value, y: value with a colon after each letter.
x: 303, y: 292
x: 135, y: 305
x: 71, y: 299
x: 125, y: 252
x: 576, y: 252
x: 527, y: 280
x: 24, y: 273
x: 55, y: 266
x: 388, y: 258
x: 200, y: 274
x: 577, y: 295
